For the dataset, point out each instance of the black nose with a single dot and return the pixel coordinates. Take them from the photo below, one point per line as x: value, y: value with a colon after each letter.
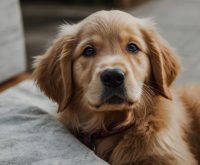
x: 112, y: 77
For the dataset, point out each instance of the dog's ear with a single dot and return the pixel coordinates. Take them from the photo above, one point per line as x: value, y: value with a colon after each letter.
x: 164, y: 62
x: 53, y: 71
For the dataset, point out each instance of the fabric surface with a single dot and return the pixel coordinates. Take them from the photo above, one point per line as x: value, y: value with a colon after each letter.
x: 29, y: 134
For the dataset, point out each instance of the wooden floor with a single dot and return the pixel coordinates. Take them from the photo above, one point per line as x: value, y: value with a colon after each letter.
x: 12, y: 82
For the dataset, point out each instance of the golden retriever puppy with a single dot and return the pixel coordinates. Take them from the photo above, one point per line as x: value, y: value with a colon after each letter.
x: 111, y: 75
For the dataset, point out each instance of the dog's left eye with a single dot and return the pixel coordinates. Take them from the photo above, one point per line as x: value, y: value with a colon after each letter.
x: 132, y: 48
x: 89, y: 51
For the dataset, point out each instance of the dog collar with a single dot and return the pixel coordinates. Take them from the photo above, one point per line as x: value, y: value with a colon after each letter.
x: 89, y: 139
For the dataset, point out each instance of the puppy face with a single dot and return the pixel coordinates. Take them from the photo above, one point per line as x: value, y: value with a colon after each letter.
x: 105, y: 62
x: 111, y: 62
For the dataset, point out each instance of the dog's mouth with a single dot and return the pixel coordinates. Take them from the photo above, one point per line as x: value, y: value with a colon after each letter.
x: 114, y: 100
x: 114, y: 95
x: 113, y: 103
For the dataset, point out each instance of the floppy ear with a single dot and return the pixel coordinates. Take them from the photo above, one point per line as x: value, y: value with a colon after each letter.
x: 53, y: 71
x: 164, y: 62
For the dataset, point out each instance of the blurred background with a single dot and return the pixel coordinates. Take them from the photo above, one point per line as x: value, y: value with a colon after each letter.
x: 42, y: 18
x: 178, y: 22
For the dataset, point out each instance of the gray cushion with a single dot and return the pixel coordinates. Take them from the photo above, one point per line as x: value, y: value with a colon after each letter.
x: 12, y: 56
x: 31, y: 135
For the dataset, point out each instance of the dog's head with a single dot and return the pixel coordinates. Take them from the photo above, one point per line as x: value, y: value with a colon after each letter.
x: 106, y: 62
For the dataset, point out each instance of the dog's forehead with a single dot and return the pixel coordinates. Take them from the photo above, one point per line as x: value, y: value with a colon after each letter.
x: 109, y: 23
x: 112, y: 14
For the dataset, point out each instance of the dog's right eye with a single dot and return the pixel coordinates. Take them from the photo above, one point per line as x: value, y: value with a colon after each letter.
x: 132, y: 48
x: 89, y: 52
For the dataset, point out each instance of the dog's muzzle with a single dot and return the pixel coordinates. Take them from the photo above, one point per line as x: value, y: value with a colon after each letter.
x: 114, y: 89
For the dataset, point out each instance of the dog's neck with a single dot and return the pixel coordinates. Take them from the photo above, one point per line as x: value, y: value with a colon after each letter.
x: 82, y: 120
x: 89, y: 138
x: 84, y: 123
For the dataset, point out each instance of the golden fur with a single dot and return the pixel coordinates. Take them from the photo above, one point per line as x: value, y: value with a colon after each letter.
x: 166, y: 125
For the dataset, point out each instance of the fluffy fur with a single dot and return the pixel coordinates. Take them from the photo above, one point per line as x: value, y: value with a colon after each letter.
x: 165, y: 127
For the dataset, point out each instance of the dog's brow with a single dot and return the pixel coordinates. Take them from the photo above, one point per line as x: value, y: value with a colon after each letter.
x: 85, y: 42
x: 90, y: 40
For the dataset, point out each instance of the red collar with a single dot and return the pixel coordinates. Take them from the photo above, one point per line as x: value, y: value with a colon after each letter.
x: 89, y: 139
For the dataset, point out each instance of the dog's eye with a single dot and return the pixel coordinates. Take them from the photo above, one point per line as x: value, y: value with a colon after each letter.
x: 89, y: 51
x: 132, y: 48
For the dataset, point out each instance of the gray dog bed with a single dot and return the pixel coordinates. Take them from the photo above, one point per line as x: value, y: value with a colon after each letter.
x: 30, y: 134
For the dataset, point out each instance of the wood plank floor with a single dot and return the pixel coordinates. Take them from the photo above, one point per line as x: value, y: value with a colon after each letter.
x: 12, y: 82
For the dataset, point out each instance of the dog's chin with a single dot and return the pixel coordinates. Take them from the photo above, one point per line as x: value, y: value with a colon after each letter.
x: 113, y: 104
